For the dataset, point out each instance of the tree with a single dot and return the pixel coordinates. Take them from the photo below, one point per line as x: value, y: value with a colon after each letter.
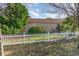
x: 68, y: 9
x: 13, y: 18
x: 68, y: 25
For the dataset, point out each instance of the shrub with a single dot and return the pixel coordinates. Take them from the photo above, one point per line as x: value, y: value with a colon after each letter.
x: 36, y: 30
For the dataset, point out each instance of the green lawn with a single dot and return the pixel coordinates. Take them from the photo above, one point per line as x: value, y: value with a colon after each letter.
x: 32, y: 38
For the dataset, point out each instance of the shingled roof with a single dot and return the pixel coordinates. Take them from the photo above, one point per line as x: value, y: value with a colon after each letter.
x: 47, y: 20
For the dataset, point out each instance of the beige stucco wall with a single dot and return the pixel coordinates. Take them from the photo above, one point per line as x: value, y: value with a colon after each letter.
x: 47, y: 27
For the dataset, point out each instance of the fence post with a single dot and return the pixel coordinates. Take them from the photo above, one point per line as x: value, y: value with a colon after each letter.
x: 48, y: 35
x: 2, y: 46
x: 66, y: 35
x: 24, y: 37
x: 75, y: 34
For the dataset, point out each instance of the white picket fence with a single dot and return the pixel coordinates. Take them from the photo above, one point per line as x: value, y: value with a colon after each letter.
x: 9, y: 39
x: 19, y: 39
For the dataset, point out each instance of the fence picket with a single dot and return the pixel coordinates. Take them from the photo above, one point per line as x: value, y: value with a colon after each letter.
x: 12, y: 37
x: 4, y: 38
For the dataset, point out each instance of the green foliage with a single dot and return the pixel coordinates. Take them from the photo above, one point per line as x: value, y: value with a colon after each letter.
x: 68, y: 25
x: 14, y: 18
x: 34, y: 30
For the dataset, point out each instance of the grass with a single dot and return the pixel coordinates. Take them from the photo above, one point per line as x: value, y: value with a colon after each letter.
x: 32, y: 38
x: 60, y: 48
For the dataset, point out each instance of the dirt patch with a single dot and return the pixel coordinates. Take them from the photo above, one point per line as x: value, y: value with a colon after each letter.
x: 59, y: 48
x: 8, y: 52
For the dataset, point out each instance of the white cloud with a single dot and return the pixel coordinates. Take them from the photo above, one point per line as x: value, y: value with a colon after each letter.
x: 34, y: 13
x: 29, y: 5
x: 51, y: 15
x: 57, y: 16
x: 35, y: 3
x: 37, y: 10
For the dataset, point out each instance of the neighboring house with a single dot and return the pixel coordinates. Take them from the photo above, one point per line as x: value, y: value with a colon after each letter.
x: 49, y: 24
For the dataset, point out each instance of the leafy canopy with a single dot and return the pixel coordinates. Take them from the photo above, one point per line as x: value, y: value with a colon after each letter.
x: 68, y: 25
x: 13, y: 18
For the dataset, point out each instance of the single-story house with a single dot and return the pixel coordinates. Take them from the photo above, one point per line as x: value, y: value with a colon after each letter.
x: 49, y: 24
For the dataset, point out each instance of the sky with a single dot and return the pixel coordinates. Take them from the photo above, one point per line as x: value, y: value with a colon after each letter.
x: 40, y: 10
